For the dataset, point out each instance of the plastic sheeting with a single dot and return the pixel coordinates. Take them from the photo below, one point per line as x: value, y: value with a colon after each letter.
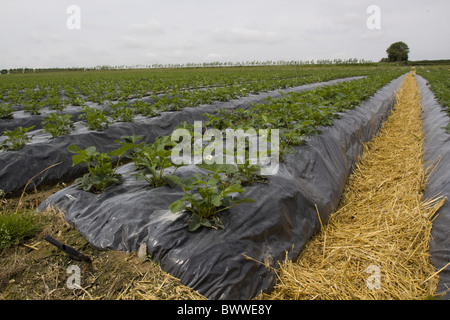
x: 216, y: 262
x: 17, y: 167
x: 437, y: 156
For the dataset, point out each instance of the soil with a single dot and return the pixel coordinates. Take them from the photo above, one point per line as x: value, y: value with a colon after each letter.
x: 37, y: 270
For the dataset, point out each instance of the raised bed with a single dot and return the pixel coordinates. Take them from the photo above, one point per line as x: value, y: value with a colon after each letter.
x: 437, y: 161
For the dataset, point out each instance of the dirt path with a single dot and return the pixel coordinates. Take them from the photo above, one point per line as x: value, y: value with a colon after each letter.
x: 376, y: 245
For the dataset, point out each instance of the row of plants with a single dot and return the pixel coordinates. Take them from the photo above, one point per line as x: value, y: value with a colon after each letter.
x: 297, y: 116
x: 94, y: 118
x: 205, y: 195
x: 174, y: 99
x: 57, y: 89
x: 97, y: 119
x: 439, y: 80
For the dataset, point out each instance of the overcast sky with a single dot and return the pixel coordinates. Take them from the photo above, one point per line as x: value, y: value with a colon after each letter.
x: 129, y: 32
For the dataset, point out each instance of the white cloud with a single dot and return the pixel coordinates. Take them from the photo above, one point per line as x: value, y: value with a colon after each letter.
x: 219, y: 57
x: 240, y: 35
x: 34, y: 37
x: 131, y: 42
x: 151, y: 27
x: 139, y: 36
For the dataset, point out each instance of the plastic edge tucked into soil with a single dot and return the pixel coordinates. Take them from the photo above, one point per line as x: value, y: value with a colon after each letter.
x: 437, y: 160
x: 236, y: 262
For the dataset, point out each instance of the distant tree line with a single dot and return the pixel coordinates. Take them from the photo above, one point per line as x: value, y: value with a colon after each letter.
x: 31, y: 70
x: 428, y: 62
x: 197, y: 65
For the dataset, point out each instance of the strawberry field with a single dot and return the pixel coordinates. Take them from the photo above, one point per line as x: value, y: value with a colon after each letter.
x: 439, y: 80
x: 44, y: 111
x: 215, y: 225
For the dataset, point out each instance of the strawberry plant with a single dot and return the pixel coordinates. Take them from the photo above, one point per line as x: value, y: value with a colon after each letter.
x: 247, y: 174
x: 438, y: 79
x: 16, y: 138
x: 96, y: 119
x: 130, y: 139
x: 75, y: 100
x: 56, y: 103
x: 121, y: 113
x: 152, y: 160
x: 144, y: 108
x: 6, y: 111
x: 298, y: 116
x: 222, y: 120
x: 207, y: 195
x: 57, y: 124
x: 101, y: 172
x: 96, y: 97
x: 32, y: 107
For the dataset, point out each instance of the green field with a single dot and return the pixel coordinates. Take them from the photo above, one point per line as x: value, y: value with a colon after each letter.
x: 438, y: 78
x: 60, y: 101
x: 92, y: 103
x: 119, y: 94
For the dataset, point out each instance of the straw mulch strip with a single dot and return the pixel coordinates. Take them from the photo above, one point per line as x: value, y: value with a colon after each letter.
x: 376, y: 245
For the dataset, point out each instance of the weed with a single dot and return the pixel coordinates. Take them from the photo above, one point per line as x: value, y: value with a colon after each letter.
x: 14, y: 227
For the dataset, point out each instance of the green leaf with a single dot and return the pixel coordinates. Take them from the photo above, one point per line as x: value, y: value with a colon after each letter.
x: 227, y: 168
x: 161, y: 153
x: 177, y: 180
x: 205, y: 222
x: 219, y: 168
x: 90, y: 151
x: 77, y: 159
x: 74, y: 149
x: 85, y: 182
x: 177, y: 206
x: 194, y: 222
x: 244, y: 200
x: 216, y: 200
x: 194, y: 180
x: 194, y: 225
x: 234, y: 188
x: 25, y: 130
x: 212, y: 181
x: 124, y: 148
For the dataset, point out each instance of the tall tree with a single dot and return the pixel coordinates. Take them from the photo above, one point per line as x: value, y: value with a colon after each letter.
x: 398, y: 51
